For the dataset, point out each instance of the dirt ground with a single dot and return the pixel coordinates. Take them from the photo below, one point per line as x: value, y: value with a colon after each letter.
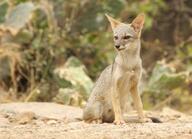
x: 54, y: 121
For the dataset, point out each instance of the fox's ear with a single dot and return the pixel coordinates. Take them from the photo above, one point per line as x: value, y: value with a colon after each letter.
x: 138, y: 22
x: 114, y: 23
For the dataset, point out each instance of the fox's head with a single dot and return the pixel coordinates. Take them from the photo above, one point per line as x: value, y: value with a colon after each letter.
x: 125, y: 35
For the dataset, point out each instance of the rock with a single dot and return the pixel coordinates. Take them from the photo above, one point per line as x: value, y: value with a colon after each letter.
x: 3, y: 121
x: 43, y: 110
x: 19, y: 118
x: 25, y: 117
x: 68, y: 96
x: 52, y: 122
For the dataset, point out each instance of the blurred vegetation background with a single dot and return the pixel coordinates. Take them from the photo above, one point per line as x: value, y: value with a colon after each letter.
x: 54, y: 50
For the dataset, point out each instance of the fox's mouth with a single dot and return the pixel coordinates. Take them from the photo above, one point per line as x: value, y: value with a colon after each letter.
x: 119, y: 49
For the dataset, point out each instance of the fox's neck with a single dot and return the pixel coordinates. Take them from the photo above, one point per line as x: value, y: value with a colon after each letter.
x: 129, y: 57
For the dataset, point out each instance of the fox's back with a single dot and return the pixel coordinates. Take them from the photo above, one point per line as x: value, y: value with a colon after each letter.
x: 99, y: 102
x: 103, y: 85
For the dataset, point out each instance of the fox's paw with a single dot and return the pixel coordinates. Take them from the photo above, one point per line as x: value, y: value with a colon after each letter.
x: 95, y: 121
x: 119, y: 122
x: 145, y: 120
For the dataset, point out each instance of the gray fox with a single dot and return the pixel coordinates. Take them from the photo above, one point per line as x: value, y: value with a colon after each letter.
x: 110, y: 93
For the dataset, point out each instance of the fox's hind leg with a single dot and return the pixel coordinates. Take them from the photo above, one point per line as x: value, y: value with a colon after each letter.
x: 93, y: 113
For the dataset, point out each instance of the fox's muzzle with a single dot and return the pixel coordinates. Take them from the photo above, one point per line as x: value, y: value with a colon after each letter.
x: 117, y: 46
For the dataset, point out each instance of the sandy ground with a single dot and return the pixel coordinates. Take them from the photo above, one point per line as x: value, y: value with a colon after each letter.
x: 54, y: 121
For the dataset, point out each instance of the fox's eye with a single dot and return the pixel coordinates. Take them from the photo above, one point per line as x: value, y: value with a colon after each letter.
x: 126, y: 37
x: 115, y: 37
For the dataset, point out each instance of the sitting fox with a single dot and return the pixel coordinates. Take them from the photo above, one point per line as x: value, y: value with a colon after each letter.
x: 110, y: 94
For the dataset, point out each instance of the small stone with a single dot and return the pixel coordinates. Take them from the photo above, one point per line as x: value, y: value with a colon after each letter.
x: 24, y: 118
x: 51, y: 122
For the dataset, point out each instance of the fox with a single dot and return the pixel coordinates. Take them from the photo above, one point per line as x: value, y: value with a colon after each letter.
x: 117, y: 81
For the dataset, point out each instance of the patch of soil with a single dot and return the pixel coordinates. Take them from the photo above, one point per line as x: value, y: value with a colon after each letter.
x: 54, y: 121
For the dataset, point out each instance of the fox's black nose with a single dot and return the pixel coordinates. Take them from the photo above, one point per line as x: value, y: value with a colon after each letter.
x: 117, y: 46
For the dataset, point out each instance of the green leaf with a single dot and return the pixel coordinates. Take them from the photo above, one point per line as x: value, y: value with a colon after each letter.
x: 3, y: 10
x: 18, y: 17
x: 74, y: 72
x: 163, y: 78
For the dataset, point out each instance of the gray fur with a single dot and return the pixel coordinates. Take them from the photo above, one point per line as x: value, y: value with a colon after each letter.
x: 110, y: 93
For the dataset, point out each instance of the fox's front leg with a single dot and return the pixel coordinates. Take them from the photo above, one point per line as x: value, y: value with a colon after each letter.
x: 136, y: 96
x: 116, y: 104
x: 137, y: 102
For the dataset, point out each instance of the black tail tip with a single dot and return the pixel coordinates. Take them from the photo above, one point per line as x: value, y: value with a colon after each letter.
x: 155, y: 120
